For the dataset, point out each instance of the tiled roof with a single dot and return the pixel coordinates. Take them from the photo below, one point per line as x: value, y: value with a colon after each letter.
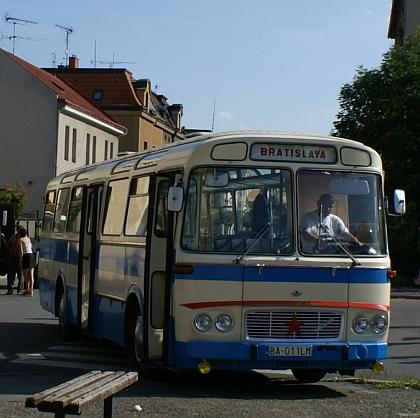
x: 116, y: 84
x: 65, y: 92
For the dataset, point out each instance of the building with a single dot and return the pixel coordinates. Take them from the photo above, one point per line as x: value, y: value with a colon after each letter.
x: 46, y: 128
x: 150, y: 119
x: 404, y: 19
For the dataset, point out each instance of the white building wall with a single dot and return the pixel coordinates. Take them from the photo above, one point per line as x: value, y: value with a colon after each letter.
x: 28, y: 125
x: 82, y: 131
x: 32, y: 133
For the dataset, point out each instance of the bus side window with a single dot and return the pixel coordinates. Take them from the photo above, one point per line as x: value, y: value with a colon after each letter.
x: 60, y: 217
x: 137, y: 207
x: 162, y: 210
x: 116, y: 199
x: 75, y: 211
x: 49, y: 211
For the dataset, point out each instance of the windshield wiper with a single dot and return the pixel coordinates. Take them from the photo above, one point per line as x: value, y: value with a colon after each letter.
x: 355, y: 261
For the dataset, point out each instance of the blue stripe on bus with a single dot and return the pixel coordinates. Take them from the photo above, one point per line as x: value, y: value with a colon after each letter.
x: 130, y: 261
x: 237, y: 355
x: 285, y: 274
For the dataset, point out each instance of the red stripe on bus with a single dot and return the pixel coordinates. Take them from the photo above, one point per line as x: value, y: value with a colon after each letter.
x: 309, y: 303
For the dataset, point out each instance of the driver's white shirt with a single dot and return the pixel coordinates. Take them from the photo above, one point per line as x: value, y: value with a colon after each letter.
x: 332, y: 225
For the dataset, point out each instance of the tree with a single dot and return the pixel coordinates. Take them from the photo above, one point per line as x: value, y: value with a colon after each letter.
x: 381, y: 108
x: 15, y: 196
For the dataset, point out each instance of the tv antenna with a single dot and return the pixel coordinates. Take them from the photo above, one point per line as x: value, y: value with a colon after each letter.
x: 68, y: 31
x: 110, y: 63
x: 17, y: 21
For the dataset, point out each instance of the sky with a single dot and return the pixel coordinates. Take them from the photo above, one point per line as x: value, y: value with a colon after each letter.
x: 232, y: 64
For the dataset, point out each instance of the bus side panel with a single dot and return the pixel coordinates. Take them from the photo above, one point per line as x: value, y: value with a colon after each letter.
x: 118, y: 268
x: 46, y: 283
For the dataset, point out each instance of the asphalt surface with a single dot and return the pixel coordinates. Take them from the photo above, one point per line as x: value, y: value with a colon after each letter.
x: 223, y: 395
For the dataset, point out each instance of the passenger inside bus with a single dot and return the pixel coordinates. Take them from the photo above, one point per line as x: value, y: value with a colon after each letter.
x: 260, y: 215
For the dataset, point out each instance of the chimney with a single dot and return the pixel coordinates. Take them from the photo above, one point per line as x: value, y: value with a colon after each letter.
x: 73, y: 62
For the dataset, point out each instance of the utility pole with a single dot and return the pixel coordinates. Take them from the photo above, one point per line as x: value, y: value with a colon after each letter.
x: 17, y: 21
x: 68, y: 31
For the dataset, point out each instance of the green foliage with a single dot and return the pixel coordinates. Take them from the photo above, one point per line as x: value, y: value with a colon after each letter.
x: 13, y: 195
x: 381, y: 108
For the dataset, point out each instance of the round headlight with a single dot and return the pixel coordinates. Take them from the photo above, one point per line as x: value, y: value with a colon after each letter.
x: 202, y: 322
x: 379, y: 324
x: 360, y: 324
x: 224, y: 323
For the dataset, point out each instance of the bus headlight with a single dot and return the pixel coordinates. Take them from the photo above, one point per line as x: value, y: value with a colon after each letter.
x: 360, y: 324
x: 224, y: 323
x: 379, y: 324
x: 203, y: 322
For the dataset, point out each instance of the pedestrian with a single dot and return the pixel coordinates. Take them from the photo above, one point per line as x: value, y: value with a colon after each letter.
x: 14, y: 263
x: 28, y: 262
x: 3, y: 254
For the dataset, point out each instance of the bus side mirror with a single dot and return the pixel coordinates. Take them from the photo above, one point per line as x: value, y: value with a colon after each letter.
x: 4, y: 218
x: 399, y: 202
x: 175, y: 198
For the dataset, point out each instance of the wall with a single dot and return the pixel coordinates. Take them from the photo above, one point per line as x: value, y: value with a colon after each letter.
x: 28, y: 123
x: 82, y: 130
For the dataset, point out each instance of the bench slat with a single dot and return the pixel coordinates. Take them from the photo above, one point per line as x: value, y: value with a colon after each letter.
x: 83, y: 402
x: 54, y: 399
x: 54, y: 403
x: 35, y: 399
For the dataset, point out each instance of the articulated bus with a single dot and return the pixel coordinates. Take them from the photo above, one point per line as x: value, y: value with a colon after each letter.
x: 196, y: 255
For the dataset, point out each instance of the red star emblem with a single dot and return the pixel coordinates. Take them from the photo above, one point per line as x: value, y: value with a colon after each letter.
x: 294, y: 325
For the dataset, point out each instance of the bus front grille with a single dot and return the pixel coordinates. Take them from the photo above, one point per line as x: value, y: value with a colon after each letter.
x: 293, y: 325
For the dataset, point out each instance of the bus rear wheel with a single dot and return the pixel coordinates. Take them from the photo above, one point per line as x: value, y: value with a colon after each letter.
x: 308, y: 375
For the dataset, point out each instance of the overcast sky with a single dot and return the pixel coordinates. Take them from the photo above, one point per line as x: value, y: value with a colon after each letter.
x: 267, y: 64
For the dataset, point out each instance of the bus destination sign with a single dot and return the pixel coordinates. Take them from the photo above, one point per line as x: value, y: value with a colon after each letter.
x: 294, y: 152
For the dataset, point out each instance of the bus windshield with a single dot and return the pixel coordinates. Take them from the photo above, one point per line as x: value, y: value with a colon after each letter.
x: 340, y: 209
x: 239, y: 210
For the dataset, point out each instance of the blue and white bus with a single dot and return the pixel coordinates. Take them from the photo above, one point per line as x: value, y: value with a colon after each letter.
x: 192, y: 255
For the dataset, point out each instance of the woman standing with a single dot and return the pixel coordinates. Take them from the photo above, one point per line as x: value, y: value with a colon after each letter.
x: 28, y: 262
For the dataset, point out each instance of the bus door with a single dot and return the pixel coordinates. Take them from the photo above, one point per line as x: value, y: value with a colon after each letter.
x: 158, y: 286
x: 87, y: 254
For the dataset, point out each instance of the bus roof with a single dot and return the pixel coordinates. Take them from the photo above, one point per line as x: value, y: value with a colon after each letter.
x: 176, y: 154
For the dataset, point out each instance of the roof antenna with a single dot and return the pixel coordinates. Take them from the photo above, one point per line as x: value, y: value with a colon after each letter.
x: 17, y: 21
x: 214, y: 111
x: 68, y: 31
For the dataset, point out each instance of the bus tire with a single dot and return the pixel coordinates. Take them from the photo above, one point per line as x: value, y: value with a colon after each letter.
x: 68, y: 331
x: 308, y: 375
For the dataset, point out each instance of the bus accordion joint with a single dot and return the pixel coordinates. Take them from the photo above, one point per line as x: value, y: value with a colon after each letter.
x: 183, y: 268
x: 391, y: 274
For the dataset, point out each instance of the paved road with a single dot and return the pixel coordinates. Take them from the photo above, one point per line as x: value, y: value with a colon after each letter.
x: 33, y: 358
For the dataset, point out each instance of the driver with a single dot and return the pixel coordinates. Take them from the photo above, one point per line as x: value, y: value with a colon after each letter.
x: 320, y: 224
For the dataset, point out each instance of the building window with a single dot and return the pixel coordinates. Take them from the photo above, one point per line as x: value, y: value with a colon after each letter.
x: 94, y: 149
x: 66, y: 143
x: 73, y: 151
x: 97, y: 95
x: 145, y: 145
x: 106, y: 150
x: 111, y: 150
x: 87, y: 148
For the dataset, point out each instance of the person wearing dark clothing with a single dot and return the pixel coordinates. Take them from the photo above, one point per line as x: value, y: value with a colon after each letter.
x: 3, y: 255
x: 260, y: 216
x: 14, y: 264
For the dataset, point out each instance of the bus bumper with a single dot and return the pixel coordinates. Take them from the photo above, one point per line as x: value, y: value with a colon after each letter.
x: 245, y: 356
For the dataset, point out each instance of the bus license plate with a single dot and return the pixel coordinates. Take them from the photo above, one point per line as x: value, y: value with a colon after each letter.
x: 290, y: 350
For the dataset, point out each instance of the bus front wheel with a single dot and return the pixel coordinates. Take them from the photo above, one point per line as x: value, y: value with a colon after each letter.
x: 136, y: 340
x: 308, y: 375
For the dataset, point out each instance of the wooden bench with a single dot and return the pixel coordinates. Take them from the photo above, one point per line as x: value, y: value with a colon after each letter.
x: 77, y: 395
